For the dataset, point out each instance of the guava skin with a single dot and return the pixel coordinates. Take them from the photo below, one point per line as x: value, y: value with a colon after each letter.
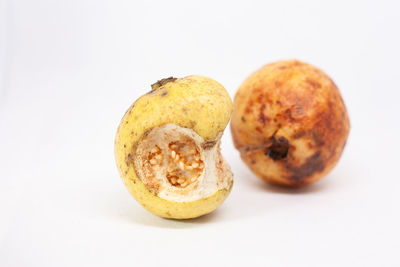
x: 289, y: 123
x: 186, y: 102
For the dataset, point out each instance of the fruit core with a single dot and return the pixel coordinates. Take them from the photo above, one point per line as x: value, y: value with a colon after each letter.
x: 173, y: 164
x: 179, y: 162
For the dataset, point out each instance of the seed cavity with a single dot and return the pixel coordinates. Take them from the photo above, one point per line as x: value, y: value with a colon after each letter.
x: 179, y: 162
x: 172, y: 164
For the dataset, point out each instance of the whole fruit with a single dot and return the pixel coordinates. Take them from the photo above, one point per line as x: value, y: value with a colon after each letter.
x: 289, y: 123
x: 167, y: 147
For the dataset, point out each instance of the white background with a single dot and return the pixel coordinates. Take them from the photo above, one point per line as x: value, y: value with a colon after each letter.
x: 70, y: 68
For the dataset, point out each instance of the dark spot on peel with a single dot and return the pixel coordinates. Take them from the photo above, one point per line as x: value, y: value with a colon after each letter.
x: 288, y: 115
x: 299, y: 134
x: 279, y: 148
x: 314, y: 84
x: 262, y: 118
x: 124, y: 145
x: 248, y: 107
x: 299, y: 110
x: 164, y: 93
x: 192, y: 124
x: 243, y: 119
x: 129, y: 159
x: 208, y: 144
x: 312, y: 165
x: 318, y: 139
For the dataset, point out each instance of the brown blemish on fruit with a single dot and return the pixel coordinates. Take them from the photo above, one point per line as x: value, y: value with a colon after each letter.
x: 243, y: 119
x: 161, y: 83
x: 312, y: 165
x: 129, y: 159
x: 318, y: 139
x: 299, y: 134
x: 262, y: 118
x: 260, y: 98
x: 248, y: 107
x: 285, y: 116
x: 208, y: 144
x: 278, y: 149
x: 164, y: 93
x: 314, y: 84
x: 310, y: 145
x: 311, y: 114
x: 288, y: 115
x: 192, y: 124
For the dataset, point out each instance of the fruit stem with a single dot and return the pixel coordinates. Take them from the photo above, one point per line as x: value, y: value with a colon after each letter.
x: 162, y: 82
